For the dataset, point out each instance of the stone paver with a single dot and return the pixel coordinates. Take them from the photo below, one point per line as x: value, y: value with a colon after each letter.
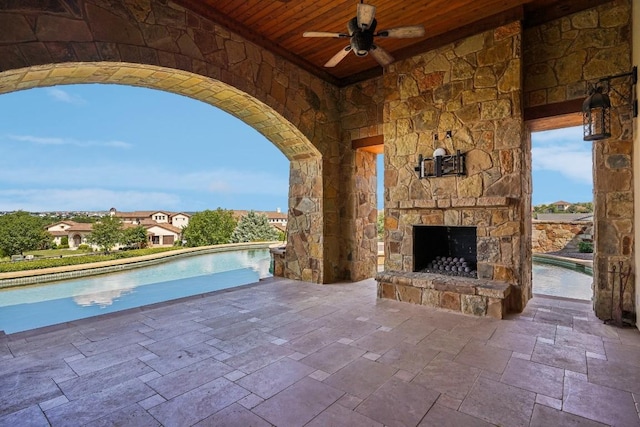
x: 170, y: 365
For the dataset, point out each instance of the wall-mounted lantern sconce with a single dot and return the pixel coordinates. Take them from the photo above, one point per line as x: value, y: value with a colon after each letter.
x: 596, y: 108
x: 441, y: 164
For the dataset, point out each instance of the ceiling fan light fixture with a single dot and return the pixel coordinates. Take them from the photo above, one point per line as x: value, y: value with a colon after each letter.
x: 361, y: 31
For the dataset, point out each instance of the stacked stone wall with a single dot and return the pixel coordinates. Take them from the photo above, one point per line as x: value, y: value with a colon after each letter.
x: 561, y: 59
x: 473, y: 89
x: 554, y: 236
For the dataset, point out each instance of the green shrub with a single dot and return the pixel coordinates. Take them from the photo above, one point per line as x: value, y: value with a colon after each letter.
x: 84, y: 248
x: 586, y: 247
x: 74, y: 260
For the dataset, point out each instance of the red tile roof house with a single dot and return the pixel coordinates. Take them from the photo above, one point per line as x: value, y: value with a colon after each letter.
x: 164, y: 228
x: 60, y: 230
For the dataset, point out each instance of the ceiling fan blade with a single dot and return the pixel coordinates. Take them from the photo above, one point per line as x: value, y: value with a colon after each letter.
x: 365, y: 15
x: 403, y: 32
x: 338, y: 57
x: 383, y: 57
x: 323, y: 34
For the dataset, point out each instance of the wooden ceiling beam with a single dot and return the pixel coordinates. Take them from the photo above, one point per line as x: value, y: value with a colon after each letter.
x: 555, y: 109
x: 372, y: 144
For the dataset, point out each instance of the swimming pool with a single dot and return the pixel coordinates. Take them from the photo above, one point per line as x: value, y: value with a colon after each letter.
x: 35, y: 306
x: 558, y: 281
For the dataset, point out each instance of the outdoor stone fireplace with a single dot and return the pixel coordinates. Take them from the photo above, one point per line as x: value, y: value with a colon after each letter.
x: 479, y: 214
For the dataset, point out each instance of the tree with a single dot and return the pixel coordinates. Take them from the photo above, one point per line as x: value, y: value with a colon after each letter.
x: 21, y: 231
x: 209, y: 228
x: 380, y: 225
x: 135, y: 236
x: 106, y: 233
x: 254, y: 227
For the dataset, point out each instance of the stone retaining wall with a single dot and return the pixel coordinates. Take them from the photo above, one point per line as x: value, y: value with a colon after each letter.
x: 553, y: 236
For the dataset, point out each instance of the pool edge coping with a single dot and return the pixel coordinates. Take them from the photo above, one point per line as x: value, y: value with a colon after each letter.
x: 33, y: 277
x: 581, y: 265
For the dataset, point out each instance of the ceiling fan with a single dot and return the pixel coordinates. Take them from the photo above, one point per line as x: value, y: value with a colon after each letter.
x: 361, y: 30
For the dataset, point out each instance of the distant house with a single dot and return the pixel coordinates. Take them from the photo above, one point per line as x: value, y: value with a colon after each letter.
x: 276, y: 218
x: 561, y: 205
x: 177, y: 219
x: 163, y: 234
x: 164, y: 228
x: 60, y: 230
x: 76, y: 232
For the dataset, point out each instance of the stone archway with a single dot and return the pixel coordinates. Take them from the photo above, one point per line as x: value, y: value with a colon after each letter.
x: 303, y: 155
x: 159, y: 44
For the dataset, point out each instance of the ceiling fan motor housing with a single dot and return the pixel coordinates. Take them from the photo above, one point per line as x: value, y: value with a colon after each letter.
x: 361, y: 38
x: 361, y: 42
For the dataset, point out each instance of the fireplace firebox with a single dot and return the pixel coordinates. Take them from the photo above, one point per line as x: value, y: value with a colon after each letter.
x: 445, y: 250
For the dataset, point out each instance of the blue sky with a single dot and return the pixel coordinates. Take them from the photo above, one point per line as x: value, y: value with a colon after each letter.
x: 561, y: 166
x: 93, y: 147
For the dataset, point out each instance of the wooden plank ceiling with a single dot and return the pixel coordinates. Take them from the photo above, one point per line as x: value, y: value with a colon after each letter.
x: 277, y: 25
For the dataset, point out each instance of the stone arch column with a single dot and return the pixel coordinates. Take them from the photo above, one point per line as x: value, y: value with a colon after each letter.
x: 160, y: 45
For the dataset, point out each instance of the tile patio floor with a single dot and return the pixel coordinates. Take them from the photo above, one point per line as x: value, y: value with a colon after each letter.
x: 290, y: 354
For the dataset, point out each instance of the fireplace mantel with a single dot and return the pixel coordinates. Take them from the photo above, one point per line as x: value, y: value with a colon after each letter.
x: 468, y: 202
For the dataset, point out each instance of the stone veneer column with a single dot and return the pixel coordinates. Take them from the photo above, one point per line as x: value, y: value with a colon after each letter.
x: 561, y: 58
x: 361, y: 111
x: 365, y: 232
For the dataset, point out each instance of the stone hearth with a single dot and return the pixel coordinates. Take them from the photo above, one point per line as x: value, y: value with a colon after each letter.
x: 470, y: 296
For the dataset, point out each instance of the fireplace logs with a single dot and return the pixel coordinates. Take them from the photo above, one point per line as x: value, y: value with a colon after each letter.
x: 451, y: 266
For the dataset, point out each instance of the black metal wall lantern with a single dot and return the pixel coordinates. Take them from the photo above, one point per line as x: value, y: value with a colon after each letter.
x: 441, y: 164
x: 596, y: 108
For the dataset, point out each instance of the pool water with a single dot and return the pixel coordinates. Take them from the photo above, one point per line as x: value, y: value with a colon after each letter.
x: 35, y: 306
x: 561, y: 282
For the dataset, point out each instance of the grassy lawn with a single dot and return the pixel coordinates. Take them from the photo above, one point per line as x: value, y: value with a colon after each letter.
x: 50, y: 253
x: 73, y: 257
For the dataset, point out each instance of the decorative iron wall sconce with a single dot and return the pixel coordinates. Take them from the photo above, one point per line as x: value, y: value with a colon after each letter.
x: 441, y: 164
x: 596, y: 108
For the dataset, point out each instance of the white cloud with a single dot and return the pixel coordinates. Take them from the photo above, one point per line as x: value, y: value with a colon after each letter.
x: 68, y: 141
x: 148, y: 178
x: 63, y: 96
x: 84, y: 199
x: 559, y: 136
x: 563, y: 151
x: 568, y: 161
